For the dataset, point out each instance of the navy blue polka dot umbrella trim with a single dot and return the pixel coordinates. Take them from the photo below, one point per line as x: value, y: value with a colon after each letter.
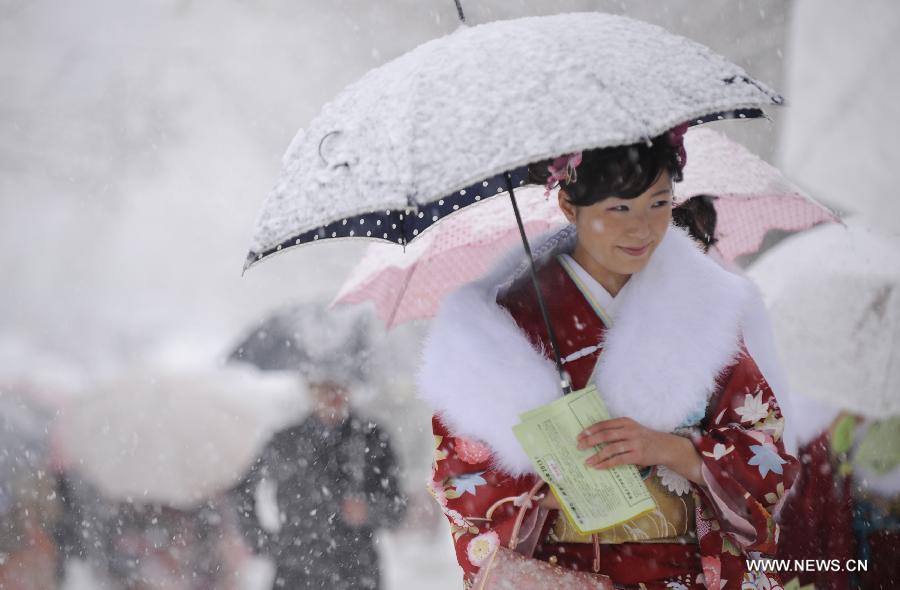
x: 402, y: 226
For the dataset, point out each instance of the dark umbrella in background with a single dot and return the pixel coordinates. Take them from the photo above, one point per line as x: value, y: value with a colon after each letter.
x: 271, y: 346
x: 458, y: 120
x: 310, y: 339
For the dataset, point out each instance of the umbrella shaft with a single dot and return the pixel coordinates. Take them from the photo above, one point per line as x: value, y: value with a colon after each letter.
x: 459, y: 12
x: 563, y: 378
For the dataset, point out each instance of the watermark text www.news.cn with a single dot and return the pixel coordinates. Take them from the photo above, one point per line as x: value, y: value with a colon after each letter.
x: 807, y: 565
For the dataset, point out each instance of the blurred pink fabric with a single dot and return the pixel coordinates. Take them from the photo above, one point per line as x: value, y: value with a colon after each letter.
x: 405, y: 285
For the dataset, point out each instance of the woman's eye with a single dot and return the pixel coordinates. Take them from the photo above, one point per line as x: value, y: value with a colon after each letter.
x: 618, y: 208
x: 661, y: 203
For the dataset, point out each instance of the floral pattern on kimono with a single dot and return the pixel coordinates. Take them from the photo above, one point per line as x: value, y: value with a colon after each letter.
x: 747, y: 473
x: 745, y: 468
x: 479, y: 502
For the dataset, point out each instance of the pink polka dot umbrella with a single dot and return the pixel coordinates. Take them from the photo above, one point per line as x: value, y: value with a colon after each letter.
x: 753, y: 198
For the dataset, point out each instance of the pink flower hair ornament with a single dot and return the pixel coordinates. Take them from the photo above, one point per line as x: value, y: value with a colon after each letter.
x: 562, y: 169
x: 676, y: 138
x: 565, y: 167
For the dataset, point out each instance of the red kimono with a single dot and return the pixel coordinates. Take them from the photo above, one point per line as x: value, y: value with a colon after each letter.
x: 839, y: 510
x: 479, y: 473
x: 817, y: 518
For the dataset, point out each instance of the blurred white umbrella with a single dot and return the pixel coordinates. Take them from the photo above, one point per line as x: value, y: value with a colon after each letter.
x: 171, y: 438
x: 834, y: 299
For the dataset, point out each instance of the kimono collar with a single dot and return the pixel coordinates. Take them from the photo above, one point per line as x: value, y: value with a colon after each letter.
x: 676, y: 328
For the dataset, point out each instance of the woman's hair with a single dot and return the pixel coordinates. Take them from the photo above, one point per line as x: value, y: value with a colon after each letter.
x: 622, y: 171
x: 698, y: 216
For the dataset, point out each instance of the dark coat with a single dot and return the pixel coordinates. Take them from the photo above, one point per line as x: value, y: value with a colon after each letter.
x: 313, y: 468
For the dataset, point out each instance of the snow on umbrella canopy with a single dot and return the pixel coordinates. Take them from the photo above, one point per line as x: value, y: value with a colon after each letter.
x: 437, y: 129
x: 832, y: 295
x: 170, y: 437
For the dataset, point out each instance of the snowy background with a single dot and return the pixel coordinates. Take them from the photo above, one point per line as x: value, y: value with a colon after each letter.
x: 138, y: 139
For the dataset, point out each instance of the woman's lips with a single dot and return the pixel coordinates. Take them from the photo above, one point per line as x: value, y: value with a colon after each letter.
x: 636, y: 251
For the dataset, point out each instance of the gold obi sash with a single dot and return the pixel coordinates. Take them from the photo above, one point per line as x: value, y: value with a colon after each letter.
x: 672, y: 521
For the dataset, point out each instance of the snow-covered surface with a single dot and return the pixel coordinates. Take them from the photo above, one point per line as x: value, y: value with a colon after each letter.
x: 840, y: 134
x: 490, y: 98
x: 834, y: 298
x: 719, y: 166
x: 201, y: 429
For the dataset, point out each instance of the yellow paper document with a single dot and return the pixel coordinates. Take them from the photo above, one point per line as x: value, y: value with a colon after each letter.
x: 592, y: 499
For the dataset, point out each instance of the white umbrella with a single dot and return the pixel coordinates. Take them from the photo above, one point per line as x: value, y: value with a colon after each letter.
x: 834, y: 299
x: 171, y: 438
x: 429, y: 132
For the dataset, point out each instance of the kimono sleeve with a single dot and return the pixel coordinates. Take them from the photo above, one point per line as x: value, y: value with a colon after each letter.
x: 480, y: 503
x: 745, y: 467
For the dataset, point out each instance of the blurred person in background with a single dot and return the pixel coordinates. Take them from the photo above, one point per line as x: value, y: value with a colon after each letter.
x: 130, y: 545
x: 29, y: 507
x: 335, y: 483
x: 846, y: 503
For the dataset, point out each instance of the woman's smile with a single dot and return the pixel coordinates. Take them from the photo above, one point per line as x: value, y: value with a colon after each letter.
x: 617, y: 236
x: 636, y: 251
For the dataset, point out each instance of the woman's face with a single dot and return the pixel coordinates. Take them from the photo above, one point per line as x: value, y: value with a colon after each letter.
x: 620, y: 235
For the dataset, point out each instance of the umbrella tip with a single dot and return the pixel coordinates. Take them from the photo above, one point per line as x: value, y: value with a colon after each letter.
x: 459, y: 12
x: 252, y: 257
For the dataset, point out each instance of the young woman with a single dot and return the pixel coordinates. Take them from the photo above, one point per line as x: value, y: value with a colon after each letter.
x: 640, y: 311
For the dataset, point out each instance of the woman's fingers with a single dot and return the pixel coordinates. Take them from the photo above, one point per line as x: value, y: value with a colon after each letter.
x: 603, y: 437
x: 623, y: 441
x: 606, y: 425
x: 623, y: 459
x: 608, y: 452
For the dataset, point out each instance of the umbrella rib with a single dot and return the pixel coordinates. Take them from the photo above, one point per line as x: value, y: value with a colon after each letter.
x: 390, y: 321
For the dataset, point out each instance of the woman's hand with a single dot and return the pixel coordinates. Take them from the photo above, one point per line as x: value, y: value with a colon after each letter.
x: 550, y: 502
x: 626, y: 442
